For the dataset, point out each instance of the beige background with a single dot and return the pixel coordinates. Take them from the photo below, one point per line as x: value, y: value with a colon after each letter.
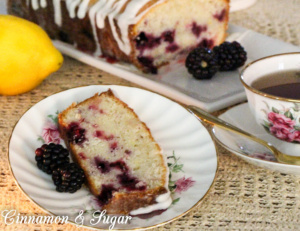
x: 243, y: 197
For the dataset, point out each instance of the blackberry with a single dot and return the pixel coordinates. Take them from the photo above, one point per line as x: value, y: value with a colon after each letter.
x: 50, y: 156
x: 201, y: 63
x: 68, y: 178
x: 230, y: 55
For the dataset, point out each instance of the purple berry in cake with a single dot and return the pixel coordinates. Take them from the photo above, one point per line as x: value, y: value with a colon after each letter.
x: 168, y: 36
x: 198, y: 29
x: 76, y: 134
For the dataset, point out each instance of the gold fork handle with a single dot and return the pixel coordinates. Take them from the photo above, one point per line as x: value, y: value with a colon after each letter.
x: 208, y: 118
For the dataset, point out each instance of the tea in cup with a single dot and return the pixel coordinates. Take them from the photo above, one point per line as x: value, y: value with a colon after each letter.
x: 272, y: 86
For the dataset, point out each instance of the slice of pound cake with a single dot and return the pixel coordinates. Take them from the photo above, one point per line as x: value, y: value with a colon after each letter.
x: 124, y: 166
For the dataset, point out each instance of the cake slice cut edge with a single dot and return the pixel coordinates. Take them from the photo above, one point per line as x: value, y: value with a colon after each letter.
x: 124, y: 166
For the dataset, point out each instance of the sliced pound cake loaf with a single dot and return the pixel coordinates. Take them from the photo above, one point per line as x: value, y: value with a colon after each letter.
x: 147, y: 33
x: 124, y: 166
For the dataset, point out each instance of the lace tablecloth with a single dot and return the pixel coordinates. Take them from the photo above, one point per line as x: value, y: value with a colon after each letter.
x: 243, y: 197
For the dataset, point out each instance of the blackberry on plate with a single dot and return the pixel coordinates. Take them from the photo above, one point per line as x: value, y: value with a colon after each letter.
x: 68, y: 178
x: 230, y: 55
x: 201, y: 63
x: 50, y: 156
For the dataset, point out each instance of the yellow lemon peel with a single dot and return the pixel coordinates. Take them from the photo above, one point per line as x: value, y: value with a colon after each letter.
x: 27, y: 55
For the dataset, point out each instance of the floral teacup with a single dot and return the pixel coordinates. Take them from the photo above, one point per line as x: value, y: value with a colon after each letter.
x: 279, y: 116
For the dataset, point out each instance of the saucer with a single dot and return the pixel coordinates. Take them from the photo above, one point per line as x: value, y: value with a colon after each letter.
x: 241, y: 117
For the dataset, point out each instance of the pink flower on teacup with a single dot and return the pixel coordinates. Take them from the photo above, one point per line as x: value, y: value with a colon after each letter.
x: 281, y: 133
x: 280, y: 121
x: 283, y: 127
x: 294, y: 136
x: 183, y: 184
x: 50, y: 133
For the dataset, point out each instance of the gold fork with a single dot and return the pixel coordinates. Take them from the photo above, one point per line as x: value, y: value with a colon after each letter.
x: 215, y: 121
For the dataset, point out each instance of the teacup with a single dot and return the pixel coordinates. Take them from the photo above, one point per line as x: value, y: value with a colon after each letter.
x: 277, y: 114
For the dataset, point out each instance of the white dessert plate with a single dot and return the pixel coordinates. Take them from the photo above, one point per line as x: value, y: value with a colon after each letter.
x: 223, y: 90
x: 185, y: 142
x: 241, y: 117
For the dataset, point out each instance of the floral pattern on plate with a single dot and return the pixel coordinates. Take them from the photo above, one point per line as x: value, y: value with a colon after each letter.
x: 259, y: 155
x: 180, y: 184
x: 50, y: 133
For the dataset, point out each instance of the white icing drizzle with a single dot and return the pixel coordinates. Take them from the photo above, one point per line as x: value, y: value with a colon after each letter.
x: 103, y: 13
x: 57, y: 12
x: 97, y: 15
x: 71, y: 6
x: 92, y: 15
x: 43, y: 3
x: 83, y: 8
x: 99, y: 11
x: 117, y: 7
x: 102, y: 10
x: 163, y: 202
x: 128, y: 17
x: 34, y: 4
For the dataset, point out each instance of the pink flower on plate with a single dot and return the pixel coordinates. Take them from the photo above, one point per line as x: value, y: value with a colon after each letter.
x: 50, y: 133
x: 264, y: 156
x: 280, y: 121
x: 184, y: 184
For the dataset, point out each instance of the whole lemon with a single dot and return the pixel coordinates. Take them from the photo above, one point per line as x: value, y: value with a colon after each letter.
x: 27, y: 55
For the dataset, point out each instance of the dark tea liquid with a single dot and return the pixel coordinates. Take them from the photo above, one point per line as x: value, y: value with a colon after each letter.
x: 285, y: 84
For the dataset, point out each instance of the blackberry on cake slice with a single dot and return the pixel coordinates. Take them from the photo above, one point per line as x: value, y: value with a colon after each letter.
x: 123, y: 165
